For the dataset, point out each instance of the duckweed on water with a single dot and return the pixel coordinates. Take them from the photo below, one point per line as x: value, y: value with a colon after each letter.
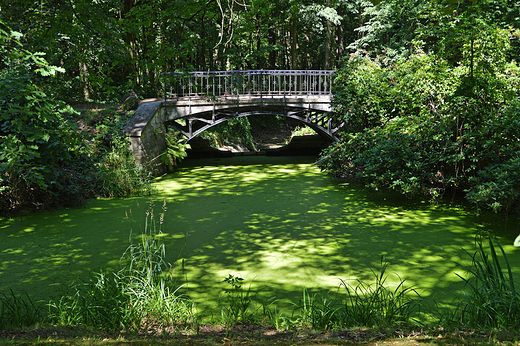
x: 282, y: 226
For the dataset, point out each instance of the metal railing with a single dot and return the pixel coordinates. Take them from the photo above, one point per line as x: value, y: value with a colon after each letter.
x: 214, y: 84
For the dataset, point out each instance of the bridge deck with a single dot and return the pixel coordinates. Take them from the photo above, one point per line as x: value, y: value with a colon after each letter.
x: 192, y: 105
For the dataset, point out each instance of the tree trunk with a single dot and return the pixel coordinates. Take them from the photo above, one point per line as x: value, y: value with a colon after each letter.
x: 85, y: 85
x: 258, y: 42
x: 294, y: 43
x: 328, y: 43
x: 272, y: 43
x: 340, y: 34
x: 130, y: 41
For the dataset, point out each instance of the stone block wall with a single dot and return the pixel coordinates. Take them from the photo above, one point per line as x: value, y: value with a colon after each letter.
x: 147, y: 135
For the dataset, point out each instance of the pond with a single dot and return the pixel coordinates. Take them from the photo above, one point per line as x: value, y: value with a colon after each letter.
x: 277, y: 222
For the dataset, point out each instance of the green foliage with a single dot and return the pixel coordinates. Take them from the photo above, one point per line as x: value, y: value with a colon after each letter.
x: 109, y: 47
x: 390, y: 28
x: 36, y: 138
x: 451, y: 27
x: 237, y: 130
x: 141, y: 295
x: 389, y: 113
x: 151, y: 284
x: 175, y: 150
x: 115, y: 172
x: 320, y: 312
x: 363, y: 305
x: 238, y: 305
x: 98, y: 302
x: 492, y: 300
x: 367, y: 305
x: 120, y: 176
x: 19, y: 311
x: 303, y: 131
x: 422, y: 126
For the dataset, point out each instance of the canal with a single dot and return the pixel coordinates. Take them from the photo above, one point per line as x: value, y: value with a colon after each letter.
x: 277, y: 222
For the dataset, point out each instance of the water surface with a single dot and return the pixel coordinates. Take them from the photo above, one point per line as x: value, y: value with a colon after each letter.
x: 279, y: 223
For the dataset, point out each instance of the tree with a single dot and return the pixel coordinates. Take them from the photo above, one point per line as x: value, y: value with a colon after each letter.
x: 390, y: 28
x: 432, y: 122
x: 34, y: 134
x: 108, y: 47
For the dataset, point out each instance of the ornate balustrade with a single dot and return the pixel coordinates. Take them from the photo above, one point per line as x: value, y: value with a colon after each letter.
x: 216, y: 84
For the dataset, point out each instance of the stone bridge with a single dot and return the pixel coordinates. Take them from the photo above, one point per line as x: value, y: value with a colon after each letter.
x: 197, y: 101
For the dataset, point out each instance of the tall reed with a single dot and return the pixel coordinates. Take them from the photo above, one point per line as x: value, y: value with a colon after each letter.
x: 490, y: 299
x: 364, y: 305
x: 378, y: 304
x: 141, y: 295
x: 17, y: 311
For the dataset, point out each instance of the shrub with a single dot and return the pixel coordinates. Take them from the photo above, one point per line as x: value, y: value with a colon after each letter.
x: 119, y: 174
x: 421, y: 126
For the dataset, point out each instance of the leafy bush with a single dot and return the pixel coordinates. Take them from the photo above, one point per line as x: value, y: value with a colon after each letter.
x: 395, y: 135
x: 44, y: 161
x: 421, y: 126
x: 119, y: 175
x: 233, y: 130
x: 36, y: 138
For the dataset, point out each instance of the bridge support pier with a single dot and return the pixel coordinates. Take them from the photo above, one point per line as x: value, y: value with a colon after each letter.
x: 146, y: 131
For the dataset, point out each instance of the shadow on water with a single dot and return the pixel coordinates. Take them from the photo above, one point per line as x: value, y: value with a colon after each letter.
x: 277, y: 222
x: 286, y: 226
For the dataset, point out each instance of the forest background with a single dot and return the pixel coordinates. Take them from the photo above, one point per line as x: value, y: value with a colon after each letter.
x: 428, y: 89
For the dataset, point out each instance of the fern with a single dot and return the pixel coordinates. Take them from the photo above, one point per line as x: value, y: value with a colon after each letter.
x: 175, y: 150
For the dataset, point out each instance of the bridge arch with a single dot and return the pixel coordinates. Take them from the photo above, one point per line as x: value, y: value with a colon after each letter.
x: 194, y: 124
x: 197, y: 101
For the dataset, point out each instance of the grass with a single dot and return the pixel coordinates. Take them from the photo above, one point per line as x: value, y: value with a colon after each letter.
x: 19, y: 310
x: 377, y: 305
x: 353, y: 337
x: 141, y: 295
x: 490, y: 299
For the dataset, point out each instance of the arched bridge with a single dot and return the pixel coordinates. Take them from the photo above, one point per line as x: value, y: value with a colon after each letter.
x: 196, y: 101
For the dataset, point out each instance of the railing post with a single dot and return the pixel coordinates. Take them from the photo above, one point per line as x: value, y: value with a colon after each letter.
x: 238, y: 87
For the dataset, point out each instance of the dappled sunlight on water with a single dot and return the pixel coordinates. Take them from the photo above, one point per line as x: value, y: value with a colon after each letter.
x: 280, y: 225
x: 290, y: 225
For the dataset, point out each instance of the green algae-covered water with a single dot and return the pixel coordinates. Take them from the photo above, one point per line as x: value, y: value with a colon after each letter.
x: 279, y: 223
